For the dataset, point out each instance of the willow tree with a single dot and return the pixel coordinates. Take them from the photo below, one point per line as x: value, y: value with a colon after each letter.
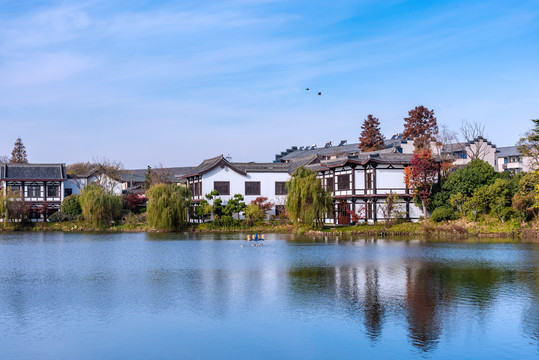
x: 307, y: 200
x: 167, y: 206
x: 99, y: 206
x: 4, y: 206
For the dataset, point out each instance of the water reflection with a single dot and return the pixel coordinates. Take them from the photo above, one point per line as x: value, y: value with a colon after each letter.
x: 427, y: 294
x: 383, y: 295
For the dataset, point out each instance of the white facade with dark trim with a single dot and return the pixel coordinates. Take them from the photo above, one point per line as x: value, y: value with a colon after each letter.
x: 357, y: 182
x: 38, y: 185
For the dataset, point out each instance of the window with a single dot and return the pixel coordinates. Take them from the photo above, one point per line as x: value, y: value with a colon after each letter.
x: 252, y: 188
x: 329, y: 184
x: 68, y: 192
x: 33, y: 191
x: 222, y: 187
x: 16, y: 189
x: 279, y: 210
x: 369, y: 179
x: 280, y: 188
x: 196, y: 189
x: 344, y: 182
x: 52, y: 191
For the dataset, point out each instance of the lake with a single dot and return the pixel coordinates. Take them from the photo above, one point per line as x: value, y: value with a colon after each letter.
x: 192, y: 296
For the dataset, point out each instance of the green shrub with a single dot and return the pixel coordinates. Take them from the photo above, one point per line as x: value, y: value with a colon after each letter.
x: 71, y: 205
x: 254, y: 213
x: 443, y: 213
x: 226, y: 221
x: 508, y: 213
x: 60, y: 216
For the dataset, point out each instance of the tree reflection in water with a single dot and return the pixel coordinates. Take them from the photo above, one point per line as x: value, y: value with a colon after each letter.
x: 374, y: 310
x: 424, y: 296
x: 430, y: 293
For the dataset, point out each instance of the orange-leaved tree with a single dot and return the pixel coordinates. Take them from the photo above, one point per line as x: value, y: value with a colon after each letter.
x: 421, y: 175
x: 421, y: 126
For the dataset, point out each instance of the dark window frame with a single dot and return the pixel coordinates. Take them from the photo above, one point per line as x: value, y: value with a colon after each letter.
x: 343, y: 181
x: 56, y: 191
x: 330, y: 184
x: 253, y: 188
x: 280, y: 188
x: 31, y: 191
x: 225, y: 187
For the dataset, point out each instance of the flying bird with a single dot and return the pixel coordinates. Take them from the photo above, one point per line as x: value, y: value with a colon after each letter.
x: 319, y: 93
x: 307, y: 89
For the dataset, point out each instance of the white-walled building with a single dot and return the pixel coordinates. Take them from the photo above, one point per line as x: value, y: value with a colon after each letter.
x: 359, y: 183
x: 251, y: 180
x: 38, y: 185
x: 76, y: 182
x: 509, y: 159
x: 462, y: 153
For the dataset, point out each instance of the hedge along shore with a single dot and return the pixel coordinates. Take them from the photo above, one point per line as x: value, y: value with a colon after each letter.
x: 454, y: 230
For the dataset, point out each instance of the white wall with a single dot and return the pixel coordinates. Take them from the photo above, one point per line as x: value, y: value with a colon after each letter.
x: 237, y: 184
x: 360, y: 178
x: 387, y: 179
x: 76, y: 185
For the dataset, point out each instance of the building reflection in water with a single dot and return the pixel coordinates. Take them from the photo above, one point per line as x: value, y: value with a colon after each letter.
x: 424, y: 295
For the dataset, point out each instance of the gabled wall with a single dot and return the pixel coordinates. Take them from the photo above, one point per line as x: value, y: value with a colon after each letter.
x: 237, y: 184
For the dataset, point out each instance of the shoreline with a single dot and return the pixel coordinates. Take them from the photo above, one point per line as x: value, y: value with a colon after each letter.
x: 427, y: 230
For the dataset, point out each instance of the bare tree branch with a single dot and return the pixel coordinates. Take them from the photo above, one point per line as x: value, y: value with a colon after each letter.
x: 474, y: 138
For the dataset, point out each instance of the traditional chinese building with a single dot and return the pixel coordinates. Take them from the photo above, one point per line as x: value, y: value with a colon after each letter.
x: 40, y: 186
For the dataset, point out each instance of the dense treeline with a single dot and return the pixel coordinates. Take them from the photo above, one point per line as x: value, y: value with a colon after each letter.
x: 477, y: 190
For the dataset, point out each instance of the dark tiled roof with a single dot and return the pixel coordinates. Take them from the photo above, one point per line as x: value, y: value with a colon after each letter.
x: 33, y: 172
x: 210, y: 164
x: 508, y: 151
x: 339, y: 151
x: 262, y: 167
x: 139, y: 175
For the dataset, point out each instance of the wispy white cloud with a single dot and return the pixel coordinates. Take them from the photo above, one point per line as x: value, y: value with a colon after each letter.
x: 203, y: 75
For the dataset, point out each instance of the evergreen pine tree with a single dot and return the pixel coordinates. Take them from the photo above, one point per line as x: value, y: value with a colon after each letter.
x: 18, y: 155
x: 371, y: 138
x: 148, y: 178
x: 421, y: 126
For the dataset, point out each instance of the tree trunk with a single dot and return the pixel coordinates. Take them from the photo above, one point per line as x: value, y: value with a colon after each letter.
x: 424, y: 209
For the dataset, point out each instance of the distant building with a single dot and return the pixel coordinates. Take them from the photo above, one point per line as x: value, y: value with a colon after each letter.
x: 509, y: 159
x: 462, y: 153
x: 38, y: 185
x: 77, y: 182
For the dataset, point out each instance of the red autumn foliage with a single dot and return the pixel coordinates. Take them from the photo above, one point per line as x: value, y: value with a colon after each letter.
x: 421, y: 126
x: 263, y: 203
x: 133, y: 202
x: 371, y: 138
x: 421, y: 176
x: 359, y: 215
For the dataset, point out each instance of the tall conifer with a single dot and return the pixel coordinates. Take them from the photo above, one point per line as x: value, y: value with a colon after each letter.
x: 371, y: 138
x: 421, y: 126
x: 18, y: 155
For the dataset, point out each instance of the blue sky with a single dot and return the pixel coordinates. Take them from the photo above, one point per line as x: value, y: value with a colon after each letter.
x: 172, y: 83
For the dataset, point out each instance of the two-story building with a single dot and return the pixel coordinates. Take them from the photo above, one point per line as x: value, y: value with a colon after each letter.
x: 359, y: 183
x: 510, y: 159
x: 38, y: 185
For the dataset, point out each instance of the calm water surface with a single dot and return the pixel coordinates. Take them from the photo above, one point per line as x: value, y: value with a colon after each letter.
x: 155, y: 296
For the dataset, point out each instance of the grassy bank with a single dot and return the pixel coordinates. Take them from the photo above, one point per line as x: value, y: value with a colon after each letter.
x: 462, y: 228
x: 487, y: 227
